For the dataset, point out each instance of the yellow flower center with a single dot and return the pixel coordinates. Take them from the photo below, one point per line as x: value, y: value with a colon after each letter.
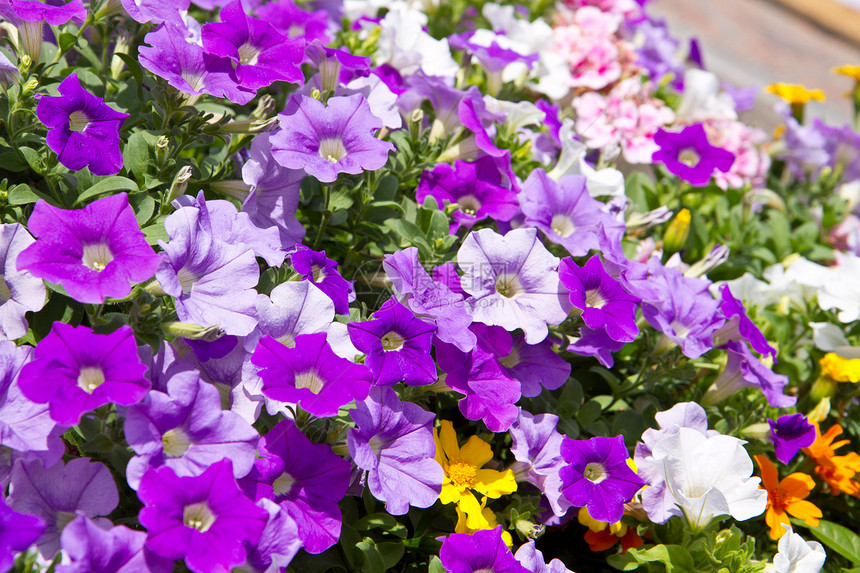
x: 689, y: 157
x: 594, y: 299
x: 392, y: 341
x: 462, y: 473
x: 332, y: 149
x: 469, y: 204
x: 175, y: 442
x: 198, y: 516
x: 90, y: 378
x: 562, y: 225
x: 248, y: 54
x: 97, y: 256
x: 78, y: 121
x: 508, y: 285
x: 283, y: 484
x: 594, y: 472
x: 310, y: 380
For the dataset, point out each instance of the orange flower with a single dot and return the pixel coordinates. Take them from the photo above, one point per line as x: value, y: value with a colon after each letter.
x: 601, y: 535
x: 837, y: 471
x: 786, y: 497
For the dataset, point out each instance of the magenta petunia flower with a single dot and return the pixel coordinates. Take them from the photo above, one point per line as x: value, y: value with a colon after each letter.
x: 305, y: 479
x: 18, y: 531
x: 294, y: 22
x: 326, y: 140
x: 689, y: 155
x: 116, y: 550
x: 483, y: 550
x: 597, y: 476
x: 603, y: 301
x: 56, y: 495
x: 476, y: 188
x: 187, y: 430
x: 29, y: 17
x: 790, y: 433
x: 322, y: 271
x: 156, y: 11
x: 310, y: 373
x: 20, y: 291
x: 333, y: 64
x: 261, y: 53
x: 76, y: 370
x: 393, y: 441
x: 513, y: 281
x: 82, y: 130
x: 94, y: 253
x: 397, y: 346
x: 743, y: 370
x: 190, y: 68
x: 204, y: 519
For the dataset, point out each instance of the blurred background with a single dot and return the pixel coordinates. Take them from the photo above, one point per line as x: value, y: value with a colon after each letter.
x: 753, y: 43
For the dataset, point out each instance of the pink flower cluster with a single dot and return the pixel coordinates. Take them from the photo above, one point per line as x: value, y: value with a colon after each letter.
x: 751, y: 160
x: 588, y: 40
x: 624, y: 8
x: 627, y: 117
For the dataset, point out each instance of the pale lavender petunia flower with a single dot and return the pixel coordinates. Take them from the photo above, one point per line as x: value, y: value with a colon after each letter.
x: 326, y: 140
x: 262, y: 54
x: 25, y: 426
x: 20, y: 291
x: 397, y: 346
x: 204, y: 519
x: 188, y: 67
x: 739, y: 326
x: 57, y: 493
x: 533, y: 560
x: 18, y: 531
x: 743, y: 370
x: 74, y: 370
x: 334, y: 63
x: 393, y: 441
x: 186, y: 430
x: 537, y: 449
x: 94, y: 253
x: 274, y: 196
x: 119, y: 549
x: 513, y: 281
x: 212, y: 280
x: 156, y: 11
x: 305, y: 479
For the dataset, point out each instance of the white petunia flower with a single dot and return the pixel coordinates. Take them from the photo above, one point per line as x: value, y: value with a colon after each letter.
x: 797, y: 555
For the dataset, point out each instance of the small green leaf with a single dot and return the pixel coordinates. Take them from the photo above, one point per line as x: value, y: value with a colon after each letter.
x: 66, y: 41
x: 34, y: 160
x: 22, y: 195
x: 382, y: 521
x: 675, y: 557
x: 143, y: 205
x: 107, y: 186
x: 435, y: 565
x: 133, y: 66
x: 838, y: 538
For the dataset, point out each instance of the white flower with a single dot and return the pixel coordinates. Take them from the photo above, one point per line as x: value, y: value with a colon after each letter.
x: 708, y: 476
x: 571, y: 161
x: 703, y: 100
x: 406, y: 46
x: 840, y: 291
x: 796, y: 555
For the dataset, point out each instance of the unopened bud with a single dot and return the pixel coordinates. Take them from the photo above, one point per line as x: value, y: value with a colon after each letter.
x: 265, y: 107
x: 193, y: 331
x: 29, y: 86
x: 712, y: 260
x: 677, y: 233
x: 161, y: 147
x: 528, y: 529
x: 180, y: 183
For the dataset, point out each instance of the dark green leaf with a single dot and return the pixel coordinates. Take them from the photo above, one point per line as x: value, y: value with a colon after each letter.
x: 107, y: 186
x: 838, y: 538
x: 23, y: 195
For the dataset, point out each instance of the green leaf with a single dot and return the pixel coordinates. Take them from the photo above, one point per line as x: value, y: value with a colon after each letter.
x: 382, y: 521
x: 435, y: 565
x: 136, y: 153
x: 674, y: 557
x: 155, y: 232
x: 391, y: 552
x: 11, y: 162
x: 107, y: 186
x: 373, y: 562
x: 133, y: 66
x: 34, y: 160
x: 838, y: 538
x: 67, y: 41
x: 143, y: 205
x: 23, y: 195
x: 589, y: 413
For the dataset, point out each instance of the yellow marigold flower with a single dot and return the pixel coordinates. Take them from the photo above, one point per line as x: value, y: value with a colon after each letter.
x: 492, y: 522
x: 795, y: 93
x: 850, y: 71
x: 840, y: 369
x: 463, y: 474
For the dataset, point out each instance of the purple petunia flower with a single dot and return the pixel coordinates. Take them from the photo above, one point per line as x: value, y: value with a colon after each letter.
x: 274, y: 196
x: 568, y: 215
x: 156, y: 11
x: 25, y: 426
x: 187, y: 430
x: 57, y: 493
x: 598, y: 476
x: 188, y: 67
x: 537, y: 449
x: 310, y: 374
x: 739, y: 325
x: 790, y: 433
x: 513, y: 281
x: 743, y: 370
x: 596, y: 343
x: 94, y: 252
x: 28, y: 16
x: 475, y: 117
x: 203, y: 519
x: 690, y: 156
x: 278, y: 544
x: 430, y: 299
x: 82, y: 130
x: 333, y: 64
x: 483, y: 550
x: 397, y: 346
x: 604, y: 302
x: 393, y: 441
x: 18, y: 531
x: 115, y: 550
x: 20, y: 291
x: 76, y: 370
x: 262, y: 54
x: 533, y: 560
x: 328, y: 139
x: 474, y: 187
x: 305, y: 479
x: 212, y: 280
x: 323, y: 273
x: 294, y: 22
